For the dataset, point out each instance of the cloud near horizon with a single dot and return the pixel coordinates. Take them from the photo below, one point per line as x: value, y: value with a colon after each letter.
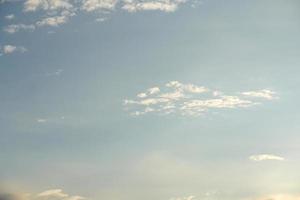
x: 184, y: 198
x: 263, y: 157
x: 190, y: 99
x: 280, y: 197
x: 51, y: 194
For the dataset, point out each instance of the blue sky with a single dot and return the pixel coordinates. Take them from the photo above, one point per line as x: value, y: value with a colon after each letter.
x: 152, y: 100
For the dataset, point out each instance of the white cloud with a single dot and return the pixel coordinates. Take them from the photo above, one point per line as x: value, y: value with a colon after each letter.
x: 186, y: 99
x: 176, y: 95
x: 40, y: 120
x: 52, y: 21
x: 153, y: 90
x: 146, y: 102
x: 96, y: 5
x: 33, y: 5
x: 58, y: 194
x: 186, y: 87
x: 52, y: 12
x: 8, y: 49
x: 10, y: 17
x: 263, y: 157
x: 75, y: 198
x: 13, y: 28
x: 101, y: 19
x: 266, y: 94
x: 149, y: 92
x: 57, y: 11
x: 142, y: 95
x: 162, y: 5
x: 184, y: 198
x: 194, y: 107
x: 53, y: 192
x: 58, y: 72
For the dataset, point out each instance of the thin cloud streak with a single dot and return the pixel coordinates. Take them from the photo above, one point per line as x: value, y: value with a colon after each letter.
x: 264, y: 157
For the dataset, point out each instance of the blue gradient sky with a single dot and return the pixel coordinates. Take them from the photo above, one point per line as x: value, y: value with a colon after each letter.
x: 64, y: 123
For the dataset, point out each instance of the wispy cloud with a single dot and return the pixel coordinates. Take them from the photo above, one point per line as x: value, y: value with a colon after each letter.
x: 263, y: 157
x: 56, y: 73
x: 13, y: 28
x: 101, y: 19
x: 10, y: 17
x: 189, y: 99
x: 9, y: 49
x: 41, y: 120
x: 162, y: 5
x: 266, y: 94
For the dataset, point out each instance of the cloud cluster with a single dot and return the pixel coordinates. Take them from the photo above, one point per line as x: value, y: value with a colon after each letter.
x: 54, y: 13
x: 190, y: 99
x: 263, y: 157
x: 58, y: 12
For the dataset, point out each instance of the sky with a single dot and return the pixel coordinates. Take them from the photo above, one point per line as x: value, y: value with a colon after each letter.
x: 149, y: 99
